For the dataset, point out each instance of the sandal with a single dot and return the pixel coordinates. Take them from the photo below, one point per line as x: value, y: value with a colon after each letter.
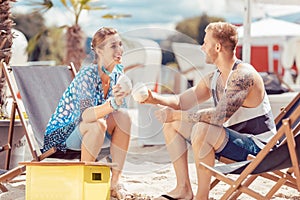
x: 118, y: 191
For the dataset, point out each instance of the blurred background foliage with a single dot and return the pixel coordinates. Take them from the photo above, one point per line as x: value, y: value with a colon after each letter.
x: 52, y: 43
x: 49, y: 46
x: 194, y: 27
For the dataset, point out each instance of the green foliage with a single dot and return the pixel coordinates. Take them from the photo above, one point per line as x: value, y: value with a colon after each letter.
x: 57, y: 44
x: 32, y: 43
x: 34, y: 28
x: 29, y: 24
x: 51, y: 43
x: 40, y: 6
x: 190, y: 26
x: 204, y: 21
x: 44, y: 43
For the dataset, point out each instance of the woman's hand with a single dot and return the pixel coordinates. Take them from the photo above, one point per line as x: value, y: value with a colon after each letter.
x: 118, y: 94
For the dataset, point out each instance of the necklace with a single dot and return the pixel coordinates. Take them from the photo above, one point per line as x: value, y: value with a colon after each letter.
x: 105, y: 84
x: 105, y: 71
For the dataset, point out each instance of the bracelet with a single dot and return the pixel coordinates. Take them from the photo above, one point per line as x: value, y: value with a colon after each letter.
x: 113, y: 104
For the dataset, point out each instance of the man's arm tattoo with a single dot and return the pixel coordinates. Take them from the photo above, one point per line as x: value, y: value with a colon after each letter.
x: 237, y: 91
x: 203, y: 115
x: 193, y: 117
x: 230, y: 102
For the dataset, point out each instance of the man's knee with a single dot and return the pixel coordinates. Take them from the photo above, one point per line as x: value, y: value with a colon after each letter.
x: 199, y: 132
x: 167, y: 127
x: 170, y: 126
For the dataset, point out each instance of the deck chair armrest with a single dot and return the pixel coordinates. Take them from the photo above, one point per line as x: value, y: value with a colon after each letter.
x: 250, y: 157
x: 12, y: 173
x: 225, y: 160
x: 5, y: 147
x: 47, y: 153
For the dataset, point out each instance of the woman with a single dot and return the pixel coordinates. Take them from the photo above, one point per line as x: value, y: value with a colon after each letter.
x: 90, y: 109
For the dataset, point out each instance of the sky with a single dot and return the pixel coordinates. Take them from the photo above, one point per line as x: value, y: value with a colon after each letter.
x: 147, y: 17
x: 144, y: 14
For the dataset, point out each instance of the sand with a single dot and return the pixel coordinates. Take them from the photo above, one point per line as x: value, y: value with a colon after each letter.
x: 148, y: 173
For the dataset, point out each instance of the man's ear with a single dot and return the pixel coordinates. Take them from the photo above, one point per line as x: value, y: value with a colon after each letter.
x: 218, y: 47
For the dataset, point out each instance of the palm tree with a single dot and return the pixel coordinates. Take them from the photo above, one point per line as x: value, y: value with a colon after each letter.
x: 6, y: 36
x: 74, y: 35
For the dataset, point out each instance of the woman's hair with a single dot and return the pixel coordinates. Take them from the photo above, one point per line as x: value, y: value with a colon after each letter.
x: 99, y: 37
x: 225, y: 33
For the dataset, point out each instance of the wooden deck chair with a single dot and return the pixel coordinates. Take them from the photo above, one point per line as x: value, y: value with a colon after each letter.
x: 268, y: 163
x: 284, y: 113
x: 280, y: 177
x: 41, y: 87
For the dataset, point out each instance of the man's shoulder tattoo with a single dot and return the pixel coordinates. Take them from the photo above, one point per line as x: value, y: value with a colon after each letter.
x: 241, y: 81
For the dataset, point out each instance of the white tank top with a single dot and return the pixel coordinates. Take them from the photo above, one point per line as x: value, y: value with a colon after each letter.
x: 256, y: 122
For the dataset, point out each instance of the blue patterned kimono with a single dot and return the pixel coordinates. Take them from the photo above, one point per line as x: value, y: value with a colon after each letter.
x: 84, y: 91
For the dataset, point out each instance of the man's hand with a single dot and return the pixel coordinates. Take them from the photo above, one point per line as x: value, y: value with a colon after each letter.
x: 150, y: 99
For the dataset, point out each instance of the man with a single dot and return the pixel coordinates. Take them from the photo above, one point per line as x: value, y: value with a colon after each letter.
x: 241, y: 122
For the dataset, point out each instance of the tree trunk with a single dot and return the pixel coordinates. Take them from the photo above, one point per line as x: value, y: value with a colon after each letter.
x: 75, y: 46
x: 6, y: 37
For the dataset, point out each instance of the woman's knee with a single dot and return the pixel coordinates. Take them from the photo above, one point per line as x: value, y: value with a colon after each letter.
x: 121, y: 120
x: 98, y: 126
x: 122, y: 116
x: 93, y: 131
x: 101, y: 125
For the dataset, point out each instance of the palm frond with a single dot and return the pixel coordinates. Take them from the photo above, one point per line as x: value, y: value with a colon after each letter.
x: 32, y: 43
x: 64, y: 2
x: 90, y: 7
x: 116, y: 16
x: 40, y: 6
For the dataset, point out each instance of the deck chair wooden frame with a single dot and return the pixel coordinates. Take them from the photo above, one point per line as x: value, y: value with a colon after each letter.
x: 290, y: 178
x: 239, y: 185
x: 36, y: 153
x: 278, y: 121
x: 280, y: 177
